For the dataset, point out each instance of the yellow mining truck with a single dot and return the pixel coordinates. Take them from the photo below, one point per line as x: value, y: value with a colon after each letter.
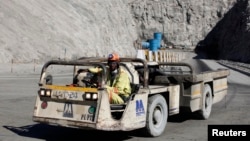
x: 71, y: 96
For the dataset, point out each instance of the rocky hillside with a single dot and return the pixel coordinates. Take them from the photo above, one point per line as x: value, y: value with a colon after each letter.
x: 41, y: 30
x: 229, y: 38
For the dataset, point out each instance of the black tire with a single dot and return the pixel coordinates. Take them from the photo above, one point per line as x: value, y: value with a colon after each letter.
x: 207, y: 103
x: 157, y: 116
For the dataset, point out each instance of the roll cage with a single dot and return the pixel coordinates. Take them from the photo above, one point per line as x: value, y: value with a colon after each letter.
x: 98, y: 62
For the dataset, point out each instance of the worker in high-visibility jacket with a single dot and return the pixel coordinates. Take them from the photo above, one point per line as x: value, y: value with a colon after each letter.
x: 118, y: 83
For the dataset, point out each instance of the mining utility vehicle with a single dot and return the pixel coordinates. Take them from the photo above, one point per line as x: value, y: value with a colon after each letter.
x: 71, y: 96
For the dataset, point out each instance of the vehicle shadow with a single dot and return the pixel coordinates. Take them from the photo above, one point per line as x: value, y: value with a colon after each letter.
x: 55, y: 133
x: 184, y: 115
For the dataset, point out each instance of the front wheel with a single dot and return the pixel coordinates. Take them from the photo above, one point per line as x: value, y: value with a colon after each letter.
x: 157, y: 115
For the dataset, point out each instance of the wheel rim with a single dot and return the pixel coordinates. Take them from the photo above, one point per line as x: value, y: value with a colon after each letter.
x: 207, y: 102
x: 157, y: 116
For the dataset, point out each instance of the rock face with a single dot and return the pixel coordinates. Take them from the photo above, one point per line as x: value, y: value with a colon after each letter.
x: 229, y: 38
x: 41, y: 30
x: 183, y: 23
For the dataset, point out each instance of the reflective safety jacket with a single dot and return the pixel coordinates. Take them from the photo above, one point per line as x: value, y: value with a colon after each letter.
x: 121, y: 83
x: 120, y: 87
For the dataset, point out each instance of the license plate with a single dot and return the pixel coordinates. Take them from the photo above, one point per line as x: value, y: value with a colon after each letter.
x: 69, y: 95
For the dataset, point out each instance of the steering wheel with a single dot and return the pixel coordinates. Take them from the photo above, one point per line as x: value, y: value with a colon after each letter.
x: 89, y: 83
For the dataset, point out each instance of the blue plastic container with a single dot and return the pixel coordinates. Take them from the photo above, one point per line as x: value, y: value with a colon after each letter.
x: 158, y: 35
x: 153, y: 44
x: 145, y: 44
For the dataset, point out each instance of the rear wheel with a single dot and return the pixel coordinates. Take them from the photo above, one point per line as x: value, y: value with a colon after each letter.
x: 207, y: 103
x: 157, y: 115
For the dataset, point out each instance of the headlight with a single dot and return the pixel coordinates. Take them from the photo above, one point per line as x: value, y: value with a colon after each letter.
x: 87, y: 96
x: 44, y: 92
x: 48, y: 92
x: 91, y: 96
x: 94, y: 96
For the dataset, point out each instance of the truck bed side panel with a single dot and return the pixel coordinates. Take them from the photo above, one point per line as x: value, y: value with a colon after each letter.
x: 219, y: 89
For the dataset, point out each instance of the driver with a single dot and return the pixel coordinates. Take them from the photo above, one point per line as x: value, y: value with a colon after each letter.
x: 118, y: 83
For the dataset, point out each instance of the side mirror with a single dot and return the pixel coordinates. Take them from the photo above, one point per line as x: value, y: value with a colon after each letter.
x: 49, y: 79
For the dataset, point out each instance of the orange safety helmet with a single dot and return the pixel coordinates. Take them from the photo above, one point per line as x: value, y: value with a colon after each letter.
x: 113, y: 57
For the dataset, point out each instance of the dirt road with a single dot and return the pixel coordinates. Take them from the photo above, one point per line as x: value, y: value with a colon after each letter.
x: 17, y: 97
